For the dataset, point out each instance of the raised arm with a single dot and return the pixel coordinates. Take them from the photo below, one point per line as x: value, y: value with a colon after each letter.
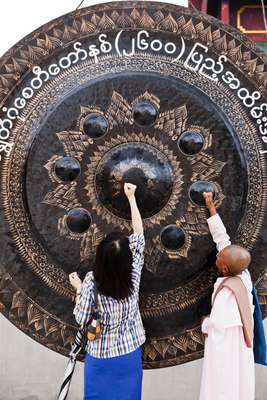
x: 216, y: 226
x: 129, y: 190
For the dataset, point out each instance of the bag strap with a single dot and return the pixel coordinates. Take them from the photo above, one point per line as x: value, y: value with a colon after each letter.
x: 95, y: 292
x: 237, y: 287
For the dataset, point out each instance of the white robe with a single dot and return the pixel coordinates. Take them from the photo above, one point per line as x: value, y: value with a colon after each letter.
x: 228, y: 368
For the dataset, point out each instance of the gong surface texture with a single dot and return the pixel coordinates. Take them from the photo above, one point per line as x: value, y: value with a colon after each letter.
x: 149, y: 93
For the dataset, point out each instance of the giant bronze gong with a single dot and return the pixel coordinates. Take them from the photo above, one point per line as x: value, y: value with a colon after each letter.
x: 155, y: 94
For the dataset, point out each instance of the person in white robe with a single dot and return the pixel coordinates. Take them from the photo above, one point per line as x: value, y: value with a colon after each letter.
x: 228, y: 367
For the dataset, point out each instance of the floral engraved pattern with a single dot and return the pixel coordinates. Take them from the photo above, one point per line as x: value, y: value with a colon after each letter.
x: 119, y: 113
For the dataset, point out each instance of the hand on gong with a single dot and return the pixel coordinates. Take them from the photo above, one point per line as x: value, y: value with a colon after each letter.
x: 208, y: 196
x: 75, y: 280
x: 129, y: 190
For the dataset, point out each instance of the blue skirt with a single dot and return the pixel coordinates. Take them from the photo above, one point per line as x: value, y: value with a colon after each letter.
x: 116, y: 378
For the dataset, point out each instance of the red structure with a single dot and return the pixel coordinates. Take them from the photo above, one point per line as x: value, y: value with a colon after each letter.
x: 245, y: 15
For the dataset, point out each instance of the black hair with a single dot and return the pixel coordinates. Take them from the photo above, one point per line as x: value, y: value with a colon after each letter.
x: 113, y: 266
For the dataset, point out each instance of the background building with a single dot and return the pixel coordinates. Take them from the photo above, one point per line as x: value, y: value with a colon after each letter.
x: 245, y: 15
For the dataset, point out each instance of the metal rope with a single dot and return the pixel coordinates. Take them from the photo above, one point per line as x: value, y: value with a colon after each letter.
x: 264, y: 16
x: 80, y: 4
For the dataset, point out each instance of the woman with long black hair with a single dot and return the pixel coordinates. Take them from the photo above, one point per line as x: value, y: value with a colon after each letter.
x: 113, y: 366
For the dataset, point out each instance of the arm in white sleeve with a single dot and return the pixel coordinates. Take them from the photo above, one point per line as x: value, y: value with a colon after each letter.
x: 218, y: 232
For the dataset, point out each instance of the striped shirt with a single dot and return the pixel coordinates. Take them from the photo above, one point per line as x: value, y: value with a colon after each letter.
x: 122, y: 329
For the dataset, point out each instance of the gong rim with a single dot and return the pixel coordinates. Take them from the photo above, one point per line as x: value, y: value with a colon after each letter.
x: 6, y: 280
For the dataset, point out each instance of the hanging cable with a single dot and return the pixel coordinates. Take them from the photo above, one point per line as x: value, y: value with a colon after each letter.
x: 190, y: 4
x: 264, y: 16
x: 80, y: 4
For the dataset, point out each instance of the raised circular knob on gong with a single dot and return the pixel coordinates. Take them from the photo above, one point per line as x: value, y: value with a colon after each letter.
x: 172, y: 237
x: 137, y: 177
x: 191, y: 143
x: 145, y: 114
x: 78, y: 220
x: 197, y: 189
x: 142, y: 165
x: 95, y: 125
x: 67, y: 169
